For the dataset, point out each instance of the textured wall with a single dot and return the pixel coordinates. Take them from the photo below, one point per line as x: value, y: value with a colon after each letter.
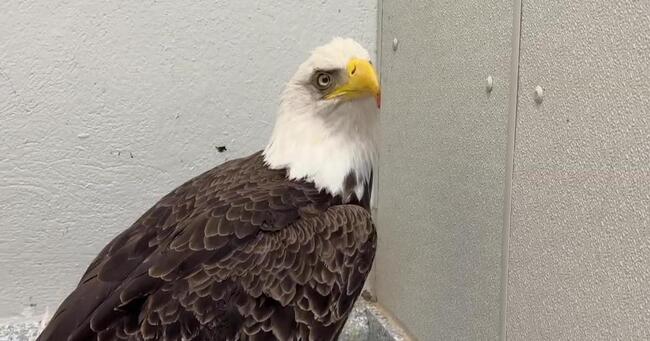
x: 579, y: 266
x: 106, y: 106
x: 441, y: 177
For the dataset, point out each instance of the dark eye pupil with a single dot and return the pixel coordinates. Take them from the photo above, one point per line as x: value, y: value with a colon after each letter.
x: 323, y: 80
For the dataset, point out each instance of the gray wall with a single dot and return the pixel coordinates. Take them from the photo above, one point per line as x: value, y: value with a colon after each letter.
x: 107, y: 105
x: 579, y: 265
x: 441, y: 177
x: 506, y: 215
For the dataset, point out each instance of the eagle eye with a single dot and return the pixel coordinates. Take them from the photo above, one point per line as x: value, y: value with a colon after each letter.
x: 322, y: 80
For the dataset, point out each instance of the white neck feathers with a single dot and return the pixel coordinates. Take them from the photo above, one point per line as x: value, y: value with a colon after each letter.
x: 325, y: 144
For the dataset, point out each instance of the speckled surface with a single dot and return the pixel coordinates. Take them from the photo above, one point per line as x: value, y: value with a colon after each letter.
x: 579, y: 263
x: 441, y: 174
x: 23, y: 330
x: 107, y: 105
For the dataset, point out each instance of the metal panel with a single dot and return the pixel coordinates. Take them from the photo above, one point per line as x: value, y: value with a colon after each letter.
x: 441, y: 176
x: 579, y: 262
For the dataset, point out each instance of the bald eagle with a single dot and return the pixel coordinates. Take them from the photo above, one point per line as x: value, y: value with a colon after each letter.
x: 273, y: 246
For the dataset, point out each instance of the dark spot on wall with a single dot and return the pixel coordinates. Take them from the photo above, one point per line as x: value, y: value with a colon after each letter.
x: 221, y: 149
x: 368, y: 296
x: 131, y: 155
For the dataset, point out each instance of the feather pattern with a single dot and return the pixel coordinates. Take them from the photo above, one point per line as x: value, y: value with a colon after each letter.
x: 240, y: 252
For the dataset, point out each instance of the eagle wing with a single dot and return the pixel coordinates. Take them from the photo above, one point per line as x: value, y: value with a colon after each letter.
x: 237, y: 253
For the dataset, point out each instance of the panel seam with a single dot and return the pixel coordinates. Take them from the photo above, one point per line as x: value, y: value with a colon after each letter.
x: 371, y: 281
x: 378, y: 46
x: 510, y: 150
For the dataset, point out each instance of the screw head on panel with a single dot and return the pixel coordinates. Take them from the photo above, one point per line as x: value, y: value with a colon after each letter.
x: 489, y: 84
x: 395, y: 43
x: 539, y: 94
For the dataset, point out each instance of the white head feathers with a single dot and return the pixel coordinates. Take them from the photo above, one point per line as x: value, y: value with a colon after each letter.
x: 326, y: 128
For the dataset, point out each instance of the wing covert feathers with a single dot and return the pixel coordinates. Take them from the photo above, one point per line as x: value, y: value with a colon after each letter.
x: 237, y: 253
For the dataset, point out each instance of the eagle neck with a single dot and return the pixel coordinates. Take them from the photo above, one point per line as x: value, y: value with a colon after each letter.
x: 335, y: 149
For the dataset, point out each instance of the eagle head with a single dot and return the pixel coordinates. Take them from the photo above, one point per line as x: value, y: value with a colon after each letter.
x: 326, y: 125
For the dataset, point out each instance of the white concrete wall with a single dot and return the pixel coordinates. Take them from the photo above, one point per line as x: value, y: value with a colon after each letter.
x: 106, y: 106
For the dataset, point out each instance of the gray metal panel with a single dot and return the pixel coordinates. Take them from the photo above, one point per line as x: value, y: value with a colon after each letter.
x: 441, y: 175
x: 579, y: 266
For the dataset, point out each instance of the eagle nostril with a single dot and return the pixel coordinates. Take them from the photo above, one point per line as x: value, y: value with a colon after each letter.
x: 354, y: 69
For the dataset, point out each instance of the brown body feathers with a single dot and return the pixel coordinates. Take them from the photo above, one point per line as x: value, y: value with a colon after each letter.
x: 237, y: 253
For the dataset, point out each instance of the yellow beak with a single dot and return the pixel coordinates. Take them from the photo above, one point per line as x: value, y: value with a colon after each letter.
x: 362, y: 82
